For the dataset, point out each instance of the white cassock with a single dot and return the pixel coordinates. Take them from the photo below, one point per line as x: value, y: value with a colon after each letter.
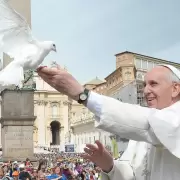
x: 153, y: 152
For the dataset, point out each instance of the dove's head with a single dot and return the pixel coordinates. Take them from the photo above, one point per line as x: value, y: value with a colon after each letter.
x: 50, y: 45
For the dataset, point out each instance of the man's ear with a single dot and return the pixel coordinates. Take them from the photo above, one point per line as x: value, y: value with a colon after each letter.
x: 176, y: 90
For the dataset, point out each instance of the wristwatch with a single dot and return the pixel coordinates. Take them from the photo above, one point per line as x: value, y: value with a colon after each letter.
x: 83, y: 96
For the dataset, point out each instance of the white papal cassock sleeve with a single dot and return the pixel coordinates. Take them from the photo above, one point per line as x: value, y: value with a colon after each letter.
x: 166, y: 126
x: 158, y: 127
x: 121, y: 171
x: 123, y: 119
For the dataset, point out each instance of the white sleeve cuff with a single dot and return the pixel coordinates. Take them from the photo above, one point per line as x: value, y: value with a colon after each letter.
x: 121, y: 170
x: 110, y: 173
x: 94, y: 104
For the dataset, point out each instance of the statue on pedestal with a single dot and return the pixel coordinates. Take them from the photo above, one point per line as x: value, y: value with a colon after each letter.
x: 29, y: 81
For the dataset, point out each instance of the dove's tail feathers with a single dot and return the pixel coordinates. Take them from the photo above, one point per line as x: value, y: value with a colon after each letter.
x: 12, y: 74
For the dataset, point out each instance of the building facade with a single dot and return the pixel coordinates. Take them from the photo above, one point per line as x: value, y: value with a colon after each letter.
x: 84, y: 131
x: 52, y: 111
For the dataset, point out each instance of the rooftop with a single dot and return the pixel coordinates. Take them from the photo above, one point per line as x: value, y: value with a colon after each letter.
x: 149, y: 57
x: 95, y: 81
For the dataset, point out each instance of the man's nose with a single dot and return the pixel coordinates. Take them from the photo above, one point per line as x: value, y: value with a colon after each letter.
x: 146, y: 90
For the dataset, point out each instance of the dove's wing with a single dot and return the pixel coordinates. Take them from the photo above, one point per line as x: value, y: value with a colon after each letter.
x: 15, y: 32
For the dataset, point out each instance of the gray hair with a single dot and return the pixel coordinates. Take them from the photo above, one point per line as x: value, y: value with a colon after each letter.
x: 173, y: 77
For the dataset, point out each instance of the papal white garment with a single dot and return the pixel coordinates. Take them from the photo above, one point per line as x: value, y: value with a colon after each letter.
x: 153, y: 152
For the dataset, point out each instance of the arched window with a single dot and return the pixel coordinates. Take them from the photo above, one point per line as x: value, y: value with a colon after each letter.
x: 55, y: 129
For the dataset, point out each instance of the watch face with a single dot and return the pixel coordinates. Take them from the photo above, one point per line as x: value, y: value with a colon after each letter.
x: 83, y: 97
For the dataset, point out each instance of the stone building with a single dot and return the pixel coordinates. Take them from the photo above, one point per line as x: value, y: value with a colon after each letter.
x: 52, y: 111
x: 84, y: 131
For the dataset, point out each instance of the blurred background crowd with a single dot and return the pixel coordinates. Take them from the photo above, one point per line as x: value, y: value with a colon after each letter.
x: 59, y: 166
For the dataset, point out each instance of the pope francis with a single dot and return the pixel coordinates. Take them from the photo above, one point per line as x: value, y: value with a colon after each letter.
x: 153, y: 152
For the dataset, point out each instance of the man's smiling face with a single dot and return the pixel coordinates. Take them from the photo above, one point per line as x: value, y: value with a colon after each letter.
x: 159, y: 89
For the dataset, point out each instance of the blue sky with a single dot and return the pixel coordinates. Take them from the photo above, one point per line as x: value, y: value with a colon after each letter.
x: 89, y: 33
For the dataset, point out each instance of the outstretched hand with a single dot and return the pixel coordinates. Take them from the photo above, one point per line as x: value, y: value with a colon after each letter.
x: 99, y: 155
x: 61, y: 80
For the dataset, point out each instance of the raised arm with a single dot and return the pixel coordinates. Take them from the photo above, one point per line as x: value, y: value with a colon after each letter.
x: 126, y: 120
x: 158, y: 127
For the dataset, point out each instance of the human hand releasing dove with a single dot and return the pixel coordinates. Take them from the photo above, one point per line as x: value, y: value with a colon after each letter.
x: 17, y: 41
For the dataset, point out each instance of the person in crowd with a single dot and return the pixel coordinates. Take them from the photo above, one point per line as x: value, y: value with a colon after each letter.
x: 41, y: 167
x: 67, y: 172
x: 154, y: 131
x: 83, y: 175
x: 92, y: 175
x: 15, y: 175
x: 2, y: 175
x: 56, y: 174
x: 28, y: 162
x: 34, y: 174
x: 15, y: 166
x: 59, y: 172
x: 78, y: 167
x: 41, y: 176
x: 23, y: 173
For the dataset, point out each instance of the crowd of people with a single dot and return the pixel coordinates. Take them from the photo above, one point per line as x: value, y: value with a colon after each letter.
x: 59, y: 166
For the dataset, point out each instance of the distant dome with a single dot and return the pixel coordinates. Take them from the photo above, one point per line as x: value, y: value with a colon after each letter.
x: 95, y: 81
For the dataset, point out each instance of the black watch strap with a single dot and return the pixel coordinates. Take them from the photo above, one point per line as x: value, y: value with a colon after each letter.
x: 86, y: 93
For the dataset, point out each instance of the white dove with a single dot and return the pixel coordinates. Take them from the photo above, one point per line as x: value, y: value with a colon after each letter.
x: 17, y: 41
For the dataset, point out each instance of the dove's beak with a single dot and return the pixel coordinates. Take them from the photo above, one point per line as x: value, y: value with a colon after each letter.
x: 55, y: 50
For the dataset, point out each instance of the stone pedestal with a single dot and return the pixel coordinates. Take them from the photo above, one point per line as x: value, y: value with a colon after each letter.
x: 17, y: 119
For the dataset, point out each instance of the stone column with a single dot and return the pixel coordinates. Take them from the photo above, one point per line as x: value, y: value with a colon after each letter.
x: 62, y: 136
x: 17, y: 119
x: 46, y: 126
x: 49, y: 135
x: 0, y: 123
x: 65, y: 117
